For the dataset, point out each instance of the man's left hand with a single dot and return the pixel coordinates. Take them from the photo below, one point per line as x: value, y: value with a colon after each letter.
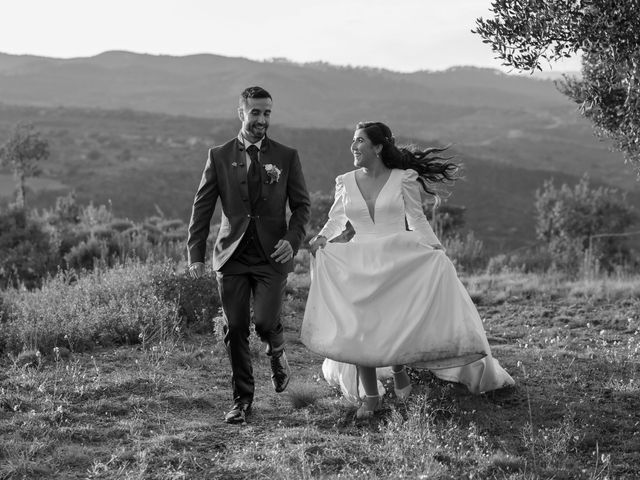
x: 283, y: 251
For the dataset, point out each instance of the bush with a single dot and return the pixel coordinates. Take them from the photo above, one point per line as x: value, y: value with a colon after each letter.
x: 26, y: 254
x: 466, y: 253
x: 120, y: 225
x: 571, y: 220
x: 122, y: 305
x: 109, y: 247
x: 170, y: 225
x: 67, y: 238
x: 197, y: 299
x: 84, y: 255
x: 529, y: 260
x: 79, y: 238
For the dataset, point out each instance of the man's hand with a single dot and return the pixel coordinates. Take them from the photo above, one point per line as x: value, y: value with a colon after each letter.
x: 196, y: 269
x: 283, y: 251
x: 316, y: 243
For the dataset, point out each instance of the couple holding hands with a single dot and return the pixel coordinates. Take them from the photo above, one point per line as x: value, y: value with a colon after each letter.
x: 389, y: 297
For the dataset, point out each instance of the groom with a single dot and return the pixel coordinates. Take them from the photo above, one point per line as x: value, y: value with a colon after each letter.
x: 254, y: 177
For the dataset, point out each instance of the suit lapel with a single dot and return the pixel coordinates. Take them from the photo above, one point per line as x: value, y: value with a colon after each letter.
x: 266, y: 155
x: 239, y: 174
x: 264, y: 160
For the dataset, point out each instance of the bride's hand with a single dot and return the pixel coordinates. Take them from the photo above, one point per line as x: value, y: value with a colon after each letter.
x: 316, y: 243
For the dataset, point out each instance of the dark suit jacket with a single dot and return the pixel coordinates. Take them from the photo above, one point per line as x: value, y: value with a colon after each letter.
x: 225, y: 177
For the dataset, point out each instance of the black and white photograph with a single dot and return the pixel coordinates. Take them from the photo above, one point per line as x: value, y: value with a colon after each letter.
x: 297, y: 240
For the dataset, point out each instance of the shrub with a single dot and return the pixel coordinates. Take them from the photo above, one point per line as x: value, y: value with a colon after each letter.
x: 570, y: 221
x: 90, y: 216
x: 26, y: 254
x: 466, y: 253
x: 77, y: 237
x: 110, y: 247
x: 121, y: 305
x: 197, y: 299
x: 170, y: 225
x: 84, y: 255
x: 177, y: 236
x: 447, y: 220
x: 67, y: 238
x: 120, y: 225
x: 153, y: 233
x: 526, y: 260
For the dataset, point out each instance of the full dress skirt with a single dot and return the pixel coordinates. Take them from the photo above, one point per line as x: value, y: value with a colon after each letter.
x: 388, y: 297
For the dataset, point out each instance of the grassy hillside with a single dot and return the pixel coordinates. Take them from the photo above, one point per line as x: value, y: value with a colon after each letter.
x: 136, y: 161
x: 517, y: 120
x: 154, y: 409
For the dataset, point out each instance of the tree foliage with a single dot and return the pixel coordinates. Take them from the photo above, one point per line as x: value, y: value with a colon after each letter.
x: 523, y: 33
x: 22, y: 152
x: 567, y: 217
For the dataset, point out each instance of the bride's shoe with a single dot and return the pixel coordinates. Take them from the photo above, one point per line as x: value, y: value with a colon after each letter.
x: 369, y: 406
x: 401, y: 377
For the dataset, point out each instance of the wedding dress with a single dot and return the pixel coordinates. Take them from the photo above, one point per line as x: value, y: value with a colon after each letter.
x: 388, y: 297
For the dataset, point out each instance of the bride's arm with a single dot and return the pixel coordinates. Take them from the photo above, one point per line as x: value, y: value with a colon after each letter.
x: 416, y: 219
x: 337, y: 216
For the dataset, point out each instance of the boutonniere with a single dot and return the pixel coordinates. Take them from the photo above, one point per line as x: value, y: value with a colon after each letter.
x: 234, y: 164
x: 273, y: 172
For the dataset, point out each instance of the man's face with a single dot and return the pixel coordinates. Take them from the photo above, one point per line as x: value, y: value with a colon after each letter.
x: 254, y: 115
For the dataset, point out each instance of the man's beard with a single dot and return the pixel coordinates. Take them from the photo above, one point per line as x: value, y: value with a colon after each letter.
x: 258, y: 132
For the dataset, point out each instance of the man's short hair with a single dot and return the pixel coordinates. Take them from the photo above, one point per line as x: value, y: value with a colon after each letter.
x: 253, y: 92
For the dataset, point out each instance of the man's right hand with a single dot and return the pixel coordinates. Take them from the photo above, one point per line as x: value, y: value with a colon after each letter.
x: 196, y: 269
x: 316, y: 243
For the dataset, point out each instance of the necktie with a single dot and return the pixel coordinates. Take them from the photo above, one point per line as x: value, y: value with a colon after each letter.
x: 253, y: 175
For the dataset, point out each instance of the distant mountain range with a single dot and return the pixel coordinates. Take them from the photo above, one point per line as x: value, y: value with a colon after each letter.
x: 510, y: 131
x: 514, y: 119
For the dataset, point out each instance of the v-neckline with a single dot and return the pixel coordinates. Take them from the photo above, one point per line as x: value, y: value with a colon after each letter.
x: 375, y: 201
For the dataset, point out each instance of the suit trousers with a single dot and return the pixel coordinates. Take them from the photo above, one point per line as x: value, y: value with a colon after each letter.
x: 237, y: 281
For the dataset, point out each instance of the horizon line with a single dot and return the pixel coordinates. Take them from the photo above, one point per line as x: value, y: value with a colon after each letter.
x: 310, y: 63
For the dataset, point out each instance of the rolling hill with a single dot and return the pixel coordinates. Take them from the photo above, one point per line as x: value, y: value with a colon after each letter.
x: 133, y: 129
x: 513, y: 119
x: 138, y: 162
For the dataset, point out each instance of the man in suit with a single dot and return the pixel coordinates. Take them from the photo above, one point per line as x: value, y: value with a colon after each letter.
x: 254, y: 177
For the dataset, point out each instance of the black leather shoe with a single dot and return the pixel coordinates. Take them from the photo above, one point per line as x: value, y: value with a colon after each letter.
x: 238, y: 414
x: 281, y: 371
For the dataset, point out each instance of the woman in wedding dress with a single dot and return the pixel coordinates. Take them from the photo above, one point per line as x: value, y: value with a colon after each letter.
x: 390, y: 296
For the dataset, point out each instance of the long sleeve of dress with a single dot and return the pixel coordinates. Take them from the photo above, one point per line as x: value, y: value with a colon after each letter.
x: 337, y: 216
x: 416, y: 219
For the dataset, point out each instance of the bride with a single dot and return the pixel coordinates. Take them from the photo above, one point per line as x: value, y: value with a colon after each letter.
x: 390, y: 296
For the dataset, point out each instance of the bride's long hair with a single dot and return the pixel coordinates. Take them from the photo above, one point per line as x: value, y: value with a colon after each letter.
x: 431, y: 167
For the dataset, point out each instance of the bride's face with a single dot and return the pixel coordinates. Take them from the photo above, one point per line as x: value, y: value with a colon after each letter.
x: 364, y: 152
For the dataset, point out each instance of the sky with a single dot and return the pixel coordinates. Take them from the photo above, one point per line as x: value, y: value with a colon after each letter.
x: 400, y: 35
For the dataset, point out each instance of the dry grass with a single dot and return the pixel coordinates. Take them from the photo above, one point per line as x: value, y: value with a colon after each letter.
x: 155, y: 411
x: 496, y: 288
